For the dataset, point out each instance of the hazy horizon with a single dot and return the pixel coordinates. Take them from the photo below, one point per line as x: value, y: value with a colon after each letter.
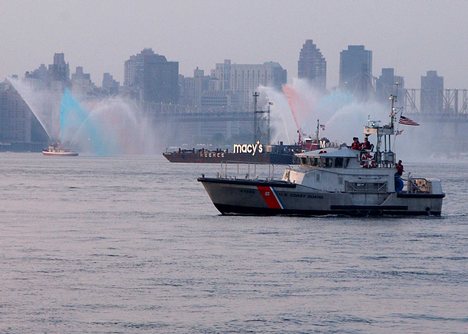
x: 413, y: 37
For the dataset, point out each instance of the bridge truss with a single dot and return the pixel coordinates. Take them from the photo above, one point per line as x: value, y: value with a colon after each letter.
x: 454, y: 102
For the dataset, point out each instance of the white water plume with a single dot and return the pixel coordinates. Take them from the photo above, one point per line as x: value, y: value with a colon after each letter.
x: 103, y: 126
x: 43, y: 103
x: 119, y: 127
x: 342, y: 116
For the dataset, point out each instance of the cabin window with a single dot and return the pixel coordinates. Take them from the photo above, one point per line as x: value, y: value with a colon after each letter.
x: 338, y: 162
x: 314, y: 162
x: 304, y: 161
x: 325, y: 162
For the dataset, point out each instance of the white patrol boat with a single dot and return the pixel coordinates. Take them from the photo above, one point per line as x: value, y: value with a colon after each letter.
x: 332, y: 181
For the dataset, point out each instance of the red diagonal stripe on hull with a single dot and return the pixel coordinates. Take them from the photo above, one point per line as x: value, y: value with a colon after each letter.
x: 269, y: 197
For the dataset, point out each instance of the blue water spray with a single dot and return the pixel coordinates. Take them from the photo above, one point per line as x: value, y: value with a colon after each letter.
x: 75, y: 120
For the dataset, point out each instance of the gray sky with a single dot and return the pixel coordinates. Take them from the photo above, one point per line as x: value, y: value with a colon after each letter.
x: 411, y: 36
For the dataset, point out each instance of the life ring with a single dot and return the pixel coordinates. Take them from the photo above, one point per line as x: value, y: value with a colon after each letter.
x: 366, y: 156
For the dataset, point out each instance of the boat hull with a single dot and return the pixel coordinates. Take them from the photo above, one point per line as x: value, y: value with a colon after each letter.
x: 62, y: 154
x: 219, y: 157
x: 254, y: 197
x: 271, y: 154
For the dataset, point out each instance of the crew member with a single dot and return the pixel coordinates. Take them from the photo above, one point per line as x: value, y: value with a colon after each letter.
x: 356, y: 145
x: 398, y: 174
x: 399, y: 168
x: 366, y: 145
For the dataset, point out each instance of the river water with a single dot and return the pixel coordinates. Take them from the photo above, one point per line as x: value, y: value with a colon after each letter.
x: 133, y: 244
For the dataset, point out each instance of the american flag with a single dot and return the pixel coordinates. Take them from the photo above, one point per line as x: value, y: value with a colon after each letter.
x: 406, y: 121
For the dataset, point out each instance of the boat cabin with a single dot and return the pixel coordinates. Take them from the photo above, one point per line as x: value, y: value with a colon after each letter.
x: 342, y: 157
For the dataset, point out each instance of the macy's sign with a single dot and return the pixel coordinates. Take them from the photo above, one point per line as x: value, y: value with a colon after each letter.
x: 249, y: 148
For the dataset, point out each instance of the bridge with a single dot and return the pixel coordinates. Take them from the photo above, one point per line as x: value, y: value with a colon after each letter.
x: 449, y: 105
x: 210, y: 116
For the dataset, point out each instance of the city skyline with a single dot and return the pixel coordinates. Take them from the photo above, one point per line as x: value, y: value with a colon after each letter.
x: 401, y: 35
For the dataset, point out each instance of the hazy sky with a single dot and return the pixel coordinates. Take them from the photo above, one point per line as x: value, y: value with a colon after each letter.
x: 411, y: 36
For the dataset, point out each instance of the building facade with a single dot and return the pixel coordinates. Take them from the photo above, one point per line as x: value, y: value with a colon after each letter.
x: 19, y: 129
x: 244, y: 79
x: 109, y: 85
x: 193, y: 88
x: 56, y: 76
x: 151, y: 78
x: 390, y: 84
x: 356, y: 71
x: 312, y: 65
x: 81, y: 82
x: 59, y: 70
x: 432, y: 89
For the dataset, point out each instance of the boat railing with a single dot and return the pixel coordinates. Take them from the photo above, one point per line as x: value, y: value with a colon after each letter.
x: 418, y: 185
x: 248, y: 171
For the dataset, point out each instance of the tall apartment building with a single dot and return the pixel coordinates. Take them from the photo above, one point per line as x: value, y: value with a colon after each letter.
x: 59, y: 70
x: 55, y: 76
x: 152, y: 78
x: 312, y: 65
x: 356, y: 71
x: 222, y: 76
x: 192, y: 88
x: 244, y: 79
x: 81, y: 82
x: 390, y: 84
x: 432, y: 90
x: 109, y: 85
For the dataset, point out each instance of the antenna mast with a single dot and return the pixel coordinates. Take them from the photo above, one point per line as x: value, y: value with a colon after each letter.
x: 257, y: 132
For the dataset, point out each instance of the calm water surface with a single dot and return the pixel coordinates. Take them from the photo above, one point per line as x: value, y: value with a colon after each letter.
x: 133, y: 245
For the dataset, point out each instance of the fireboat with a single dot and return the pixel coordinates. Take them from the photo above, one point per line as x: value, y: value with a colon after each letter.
x: 57, y: 149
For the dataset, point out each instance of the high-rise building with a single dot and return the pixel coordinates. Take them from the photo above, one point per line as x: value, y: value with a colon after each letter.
x: 192, y: 88
x: 55, y: 76
x: 152, y: 78
x: 244, y: 79
x: 356, y: 71
x: 312, y: 65
x: 81, y: 82
x: 109, y: 85
x: 134, y: 67
x: 41, y: 74
x: 432, y: 90
x: 390, y: 84
x: 222, y: 76
x: 59, y: 70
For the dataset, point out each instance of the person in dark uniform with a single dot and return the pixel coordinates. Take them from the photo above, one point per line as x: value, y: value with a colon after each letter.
x: 398, y: 174
x: 399, y: 168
